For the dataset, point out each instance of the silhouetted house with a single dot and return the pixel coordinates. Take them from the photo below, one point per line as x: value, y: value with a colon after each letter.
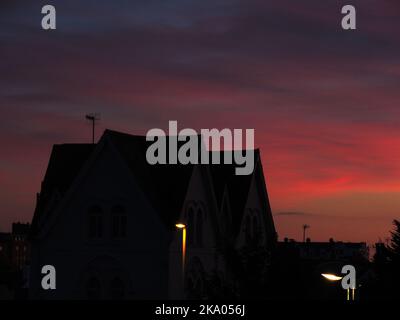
x: 5, y: 245
x: 14, y: 261
x: 338, y: 250
x: 105, y: 219
x: 14, y: 246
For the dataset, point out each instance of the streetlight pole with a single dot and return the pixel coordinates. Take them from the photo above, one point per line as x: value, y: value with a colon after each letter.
x: 333, y: 278
x: 353, y: 294
x: 182, y: 227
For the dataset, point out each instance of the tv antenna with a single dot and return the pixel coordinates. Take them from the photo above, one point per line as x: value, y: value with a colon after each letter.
x: 93, y: 117
x: 305, y: 227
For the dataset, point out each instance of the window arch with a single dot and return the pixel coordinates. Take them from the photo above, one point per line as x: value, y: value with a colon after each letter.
x: 119, y: 221
x: 248, y: 228
x: 190, y: 226
x: 195, y: 217
x: 95, y: 222
x: 253, y: 228
x: 256, y: 229
x: 199, y: 228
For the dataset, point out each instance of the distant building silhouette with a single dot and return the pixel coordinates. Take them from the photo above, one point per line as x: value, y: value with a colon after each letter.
x: 332, y: 250
x: 14, y: 261
x: 300, y: 265
x: 105, y: 219
x: 14, y: 246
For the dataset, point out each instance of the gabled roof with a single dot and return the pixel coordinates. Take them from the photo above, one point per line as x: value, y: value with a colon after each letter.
x: 65, y: 163
x: 164, y: 185
x: 223, y: 176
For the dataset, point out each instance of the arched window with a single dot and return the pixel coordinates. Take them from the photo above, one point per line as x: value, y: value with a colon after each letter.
x: 195, y: 226
x: 117, y: 289
x: 199, y: 228
x: 95, y: 223
x: 256, y: 235
x: 119, y: 221
x: 190, y: 227
x: 248, y: 228
x: 93, y: 289
x: 253, y: 228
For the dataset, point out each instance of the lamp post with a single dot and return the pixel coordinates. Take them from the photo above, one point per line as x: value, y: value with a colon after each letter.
x: 182, y: 227
x: 333, y: 277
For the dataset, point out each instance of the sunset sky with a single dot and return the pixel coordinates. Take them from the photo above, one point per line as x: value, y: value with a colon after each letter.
x: 324, y: 102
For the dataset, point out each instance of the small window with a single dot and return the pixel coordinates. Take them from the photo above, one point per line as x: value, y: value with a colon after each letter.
x: 119, y: 222
x: 95, y: 222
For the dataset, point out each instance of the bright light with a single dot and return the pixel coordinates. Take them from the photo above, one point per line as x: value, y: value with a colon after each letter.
x: 182, y: 227
x: 331, y: 277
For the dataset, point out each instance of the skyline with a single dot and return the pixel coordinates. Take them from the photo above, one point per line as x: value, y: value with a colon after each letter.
x: 324, y: 102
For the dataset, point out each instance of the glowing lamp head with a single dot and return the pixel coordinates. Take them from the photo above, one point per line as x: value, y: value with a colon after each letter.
x: 331, y: 277
x: 180, y: 226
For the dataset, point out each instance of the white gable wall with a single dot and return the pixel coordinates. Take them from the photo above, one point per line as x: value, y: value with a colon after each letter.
x: 143, y: 255
x: 253, y: 207
x: 198, y: 196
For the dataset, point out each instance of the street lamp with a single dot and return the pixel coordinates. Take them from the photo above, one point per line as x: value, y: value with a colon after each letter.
x: 182, y: 227
x: 333, y: 277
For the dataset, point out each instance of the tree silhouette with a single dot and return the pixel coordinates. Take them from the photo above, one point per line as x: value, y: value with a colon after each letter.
x: 386, y: 266
x: 394, y: 246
